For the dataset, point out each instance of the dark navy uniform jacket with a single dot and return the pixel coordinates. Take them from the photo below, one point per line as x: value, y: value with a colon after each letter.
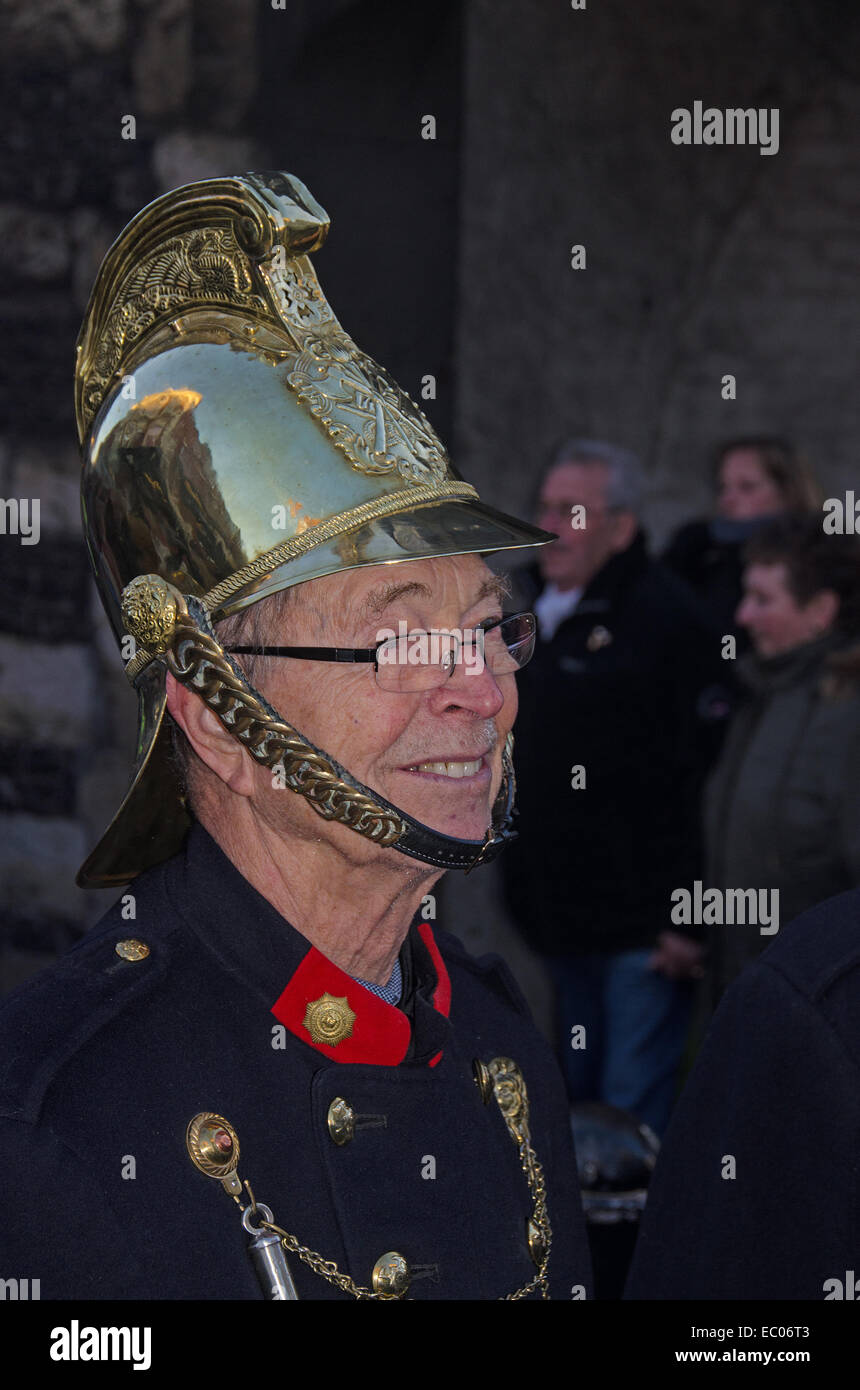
x: 104, y: 1061
x: 756, y: 1193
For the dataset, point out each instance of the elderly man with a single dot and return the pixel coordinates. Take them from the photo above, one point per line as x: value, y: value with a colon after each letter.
x: 609, y: 733
x: 267, y: 1015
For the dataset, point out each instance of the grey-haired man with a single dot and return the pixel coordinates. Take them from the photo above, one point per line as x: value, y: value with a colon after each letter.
x: 609, y: 778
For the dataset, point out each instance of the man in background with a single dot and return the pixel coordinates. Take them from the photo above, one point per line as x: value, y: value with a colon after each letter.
x: 610, y: 766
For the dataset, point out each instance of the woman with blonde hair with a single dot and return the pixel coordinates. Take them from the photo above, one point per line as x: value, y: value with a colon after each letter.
x: 757, y: 478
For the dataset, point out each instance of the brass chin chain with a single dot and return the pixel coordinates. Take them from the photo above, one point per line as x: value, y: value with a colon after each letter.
x: 213, y: 1147
x: 157, y: 617
x: 197, y: 661
x: 176, y: 630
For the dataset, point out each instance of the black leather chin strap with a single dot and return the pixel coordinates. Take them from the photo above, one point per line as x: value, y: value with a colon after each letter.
x: 417, y: 841
x: 447, y: 851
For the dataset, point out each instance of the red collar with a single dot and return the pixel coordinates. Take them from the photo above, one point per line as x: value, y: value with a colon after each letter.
x: 322, y: 1000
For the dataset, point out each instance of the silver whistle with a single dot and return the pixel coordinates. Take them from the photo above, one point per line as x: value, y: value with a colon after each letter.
x: 268, y: 1258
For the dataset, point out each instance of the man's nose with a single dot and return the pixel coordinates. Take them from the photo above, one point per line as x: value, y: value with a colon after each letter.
x: 470, y: 687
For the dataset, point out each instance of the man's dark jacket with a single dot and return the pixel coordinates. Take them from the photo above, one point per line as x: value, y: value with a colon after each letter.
x: 708, y: 555
x: 756, y: 1193
x: 623, y: 690
x: 104, y: 1061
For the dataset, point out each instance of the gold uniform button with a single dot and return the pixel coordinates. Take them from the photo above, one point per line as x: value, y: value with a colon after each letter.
x: 391, y: 1275
x: 132, y: 949
x: 341, y: 1121
x: 213, y: 1144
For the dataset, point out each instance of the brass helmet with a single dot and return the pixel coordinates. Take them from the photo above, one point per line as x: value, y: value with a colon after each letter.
x: 235, y: 442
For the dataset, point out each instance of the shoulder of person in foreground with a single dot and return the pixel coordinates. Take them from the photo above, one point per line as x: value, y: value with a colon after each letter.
x: 53, y: 1022
x: 51, y: 1018
x: 58, y: 1033
x: 756, y: 1194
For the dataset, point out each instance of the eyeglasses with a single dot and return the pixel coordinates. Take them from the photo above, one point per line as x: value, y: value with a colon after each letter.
x: 411, y: 661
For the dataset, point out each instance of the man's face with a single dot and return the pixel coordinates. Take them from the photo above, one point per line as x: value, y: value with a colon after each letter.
x: 574, y: 559
x: 385, y: 739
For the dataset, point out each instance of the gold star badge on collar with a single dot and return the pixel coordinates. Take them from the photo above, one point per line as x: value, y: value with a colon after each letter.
x: 329, y: 1020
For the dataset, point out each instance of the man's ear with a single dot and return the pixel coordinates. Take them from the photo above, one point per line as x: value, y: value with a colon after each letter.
x: 625, y: 526
x: 221, y: 753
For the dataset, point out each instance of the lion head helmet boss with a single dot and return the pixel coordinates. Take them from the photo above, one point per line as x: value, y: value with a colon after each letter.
x: 235, y: 442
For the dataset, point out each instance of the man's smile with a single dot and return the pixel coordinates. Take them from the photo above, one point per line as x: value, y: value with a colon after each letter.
x: 473, y: 770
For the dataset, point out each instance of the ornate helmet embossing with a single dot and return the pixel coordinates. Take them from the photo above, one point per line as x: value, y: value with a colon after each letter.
x: 235, y: 442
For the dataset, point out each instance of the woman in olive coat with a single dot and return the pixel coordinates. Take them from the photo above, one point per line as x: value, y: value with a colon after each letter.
x: 782, y: 807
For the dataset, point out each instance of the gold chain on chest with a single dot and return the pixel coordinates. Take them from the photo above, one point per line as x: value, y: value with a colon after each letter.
x: 216, y: 1153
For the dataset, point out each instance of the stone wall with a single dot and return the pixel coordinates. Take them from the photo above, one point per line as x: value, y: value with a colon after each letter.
x: 701, y: 260
x: 72, y: 70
